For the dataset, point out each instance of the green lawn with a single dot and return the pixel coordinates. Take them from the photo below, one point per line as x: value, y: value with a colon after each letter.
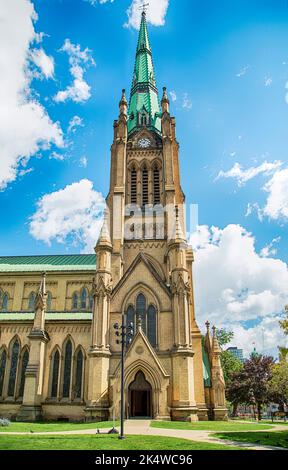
x: 84, y: 442
x: 210, y: 425
x: 51, y: 427
x: 277, y: 438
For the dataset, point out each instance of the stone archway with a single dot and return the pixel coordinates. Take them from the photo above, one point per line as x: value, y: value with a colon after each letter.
x: 140, y: 397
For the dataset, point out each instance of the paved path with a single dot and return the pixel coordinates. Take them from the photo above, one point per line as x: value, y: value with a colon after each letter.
x: 142, y: 427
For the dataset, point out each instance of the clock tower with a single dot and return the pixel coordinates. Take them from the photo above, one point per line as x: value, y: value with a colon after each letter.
x: 144, y: 271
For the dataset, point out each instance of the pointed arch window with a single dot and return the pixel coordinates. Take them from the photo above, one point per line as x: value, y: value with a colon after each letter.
x: 75, y: 301
x: 49, y: 301
x: 5, y: 302
x: 151, y: 325
x: 25, y: 359
x: 83, y: 298
x: 55, y: 374
x: 67, y: 369
x: 13, y: 368
x: 79, y: 374
x: 3, y: 361
x: 145, y: 193
x: 148, y: 317
x: 156, y: 185
x: 141, y: 310
x: 31, y: 301
x: 133, y: 188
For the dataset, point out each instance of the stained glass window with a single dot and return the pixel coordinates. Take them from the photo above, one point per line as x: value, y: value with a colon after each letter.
x: 141, y: 310
x: 3, y: 359
x: 79, y: 374
x: 5, y: 302
x: 55, y: 374
x: 151, y: 325
x: 31, y: 301
x: 75, y: 301
x: 67, y: 369
x: 13, y: 368
x: 84, y: 298
x: 24, y: 364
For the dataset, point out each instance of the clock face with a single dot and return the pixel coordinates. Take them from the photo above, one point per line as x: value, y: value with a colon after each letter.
x: 144, y: 143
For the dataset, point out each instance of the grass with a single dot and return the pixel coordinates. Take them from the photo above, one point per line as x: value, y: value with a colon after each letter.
x: 84, y: 442
x: 210, y: 425
x: 51, y: 427
x: 275, y: 438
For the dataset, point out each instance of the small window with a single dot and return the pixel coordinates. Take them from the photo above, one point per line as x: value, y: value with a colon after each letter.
x: 5, y: 301
x: 75, y: 301
x: 13, y: 368
x: 67, y: 369
x: 55, y: 374
x: 79, y: 375
x: 31, y: 301
x: 83, y: 299
x: 3, y: 360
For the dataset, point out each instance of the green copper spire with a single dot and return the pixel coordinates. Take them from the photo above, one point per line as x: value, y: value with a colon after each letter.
x: 144, y: 109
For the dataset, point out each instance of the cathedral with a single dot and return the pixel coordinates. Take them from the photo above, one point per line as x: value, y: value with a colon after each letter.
x: 59, y: 354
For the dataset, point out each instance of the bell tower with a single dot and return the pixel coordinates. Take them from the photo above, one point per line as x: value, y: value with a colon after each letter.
x: 144, y: 264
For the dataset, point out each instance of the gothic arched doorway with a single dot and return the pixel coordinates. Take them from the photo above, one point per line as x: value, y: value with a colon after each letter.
x: 140, y: 397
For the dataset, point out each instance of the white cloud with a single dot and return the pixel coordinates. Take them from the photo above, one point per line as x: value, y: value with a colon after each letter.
x: 75, y: 122
x: 43, y: 61
x: 286, y: 96
x: 71, y: 215
x: 268, y: 81
x: 234, y: 284
x: 94, y: 2
x: 79, y: 61
x: 25, y: 126
x: 270, y: 250
x: 186, y: 102
x: 155, y: 14
x: 243, y: 71
x: 173, y: 95
x: 242, y: 176
x: 277, y: 201
x: 83, y: 162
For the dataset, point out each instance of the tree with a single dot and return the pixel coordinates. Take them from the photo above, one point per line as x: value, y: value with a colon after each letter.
x: 284, y: 323
x: 278, y: 385
x: 224, y: 336
x: 251, y: 384
x: 230, y: 365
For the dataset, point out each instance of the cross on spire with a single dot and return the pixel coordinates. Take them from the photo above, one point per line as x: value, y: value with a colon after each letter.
x: 144, y: 8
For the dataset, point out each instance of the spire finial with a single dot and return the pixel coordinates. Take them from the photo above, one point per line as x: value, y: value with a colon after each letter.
x: 207, y: 324
x: 104, y: 237
x: 178, y: 228
x: 123, y: 103
x: 165, y: 101
x: 144, y: 8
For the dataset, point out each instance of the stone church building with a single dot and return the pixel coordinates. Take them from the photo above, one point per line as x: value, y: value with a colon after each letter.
x: 59, y: 357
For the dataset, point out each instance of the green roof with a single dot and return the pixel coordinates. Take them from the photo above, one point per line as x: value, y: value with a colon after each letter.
x: 47, y: 263
x: 206, y: 368
x: 144, y: 93
x: 24, y: 316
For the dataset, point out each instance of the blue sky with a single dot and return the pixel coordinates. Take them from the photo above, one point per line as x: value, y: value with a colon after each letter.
x: 225, y: 65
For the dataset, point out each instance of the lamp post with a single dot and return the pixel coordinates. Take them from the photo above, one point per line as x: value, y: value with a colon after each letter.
x: 124, y: 335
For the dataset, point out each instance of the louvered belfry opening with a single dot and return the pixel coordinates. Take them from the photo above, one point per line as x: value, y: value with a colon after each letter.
x: 133, y: 186
x: 145, y: 195
x: 156, y: 188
